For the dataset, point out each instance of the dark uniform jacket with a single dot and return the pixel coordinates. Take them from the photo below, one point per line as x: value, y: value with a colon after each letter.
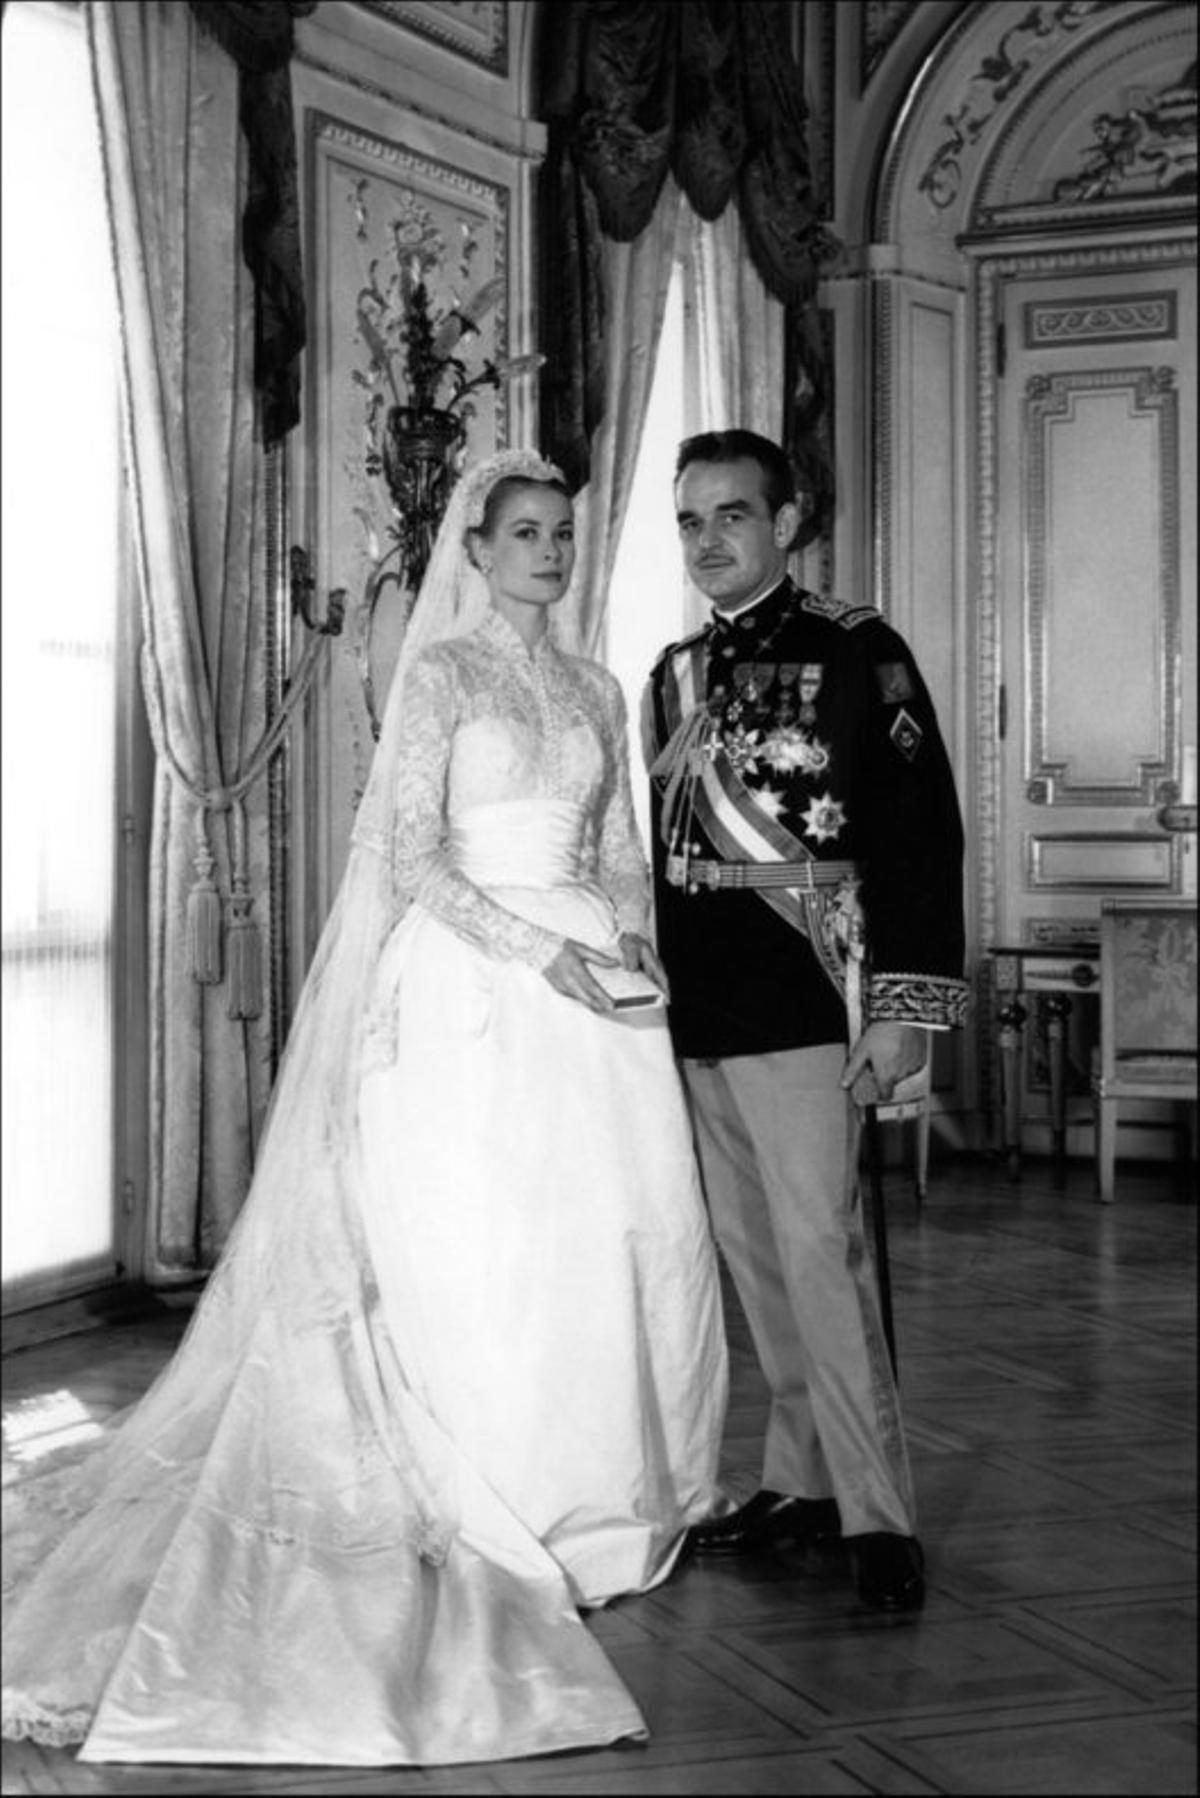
x: 817, y: 731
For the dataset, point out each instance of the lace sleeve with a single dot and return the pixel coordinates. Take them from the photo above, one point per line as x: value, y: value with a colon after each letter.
x: 421, y: 868
x: 621, y: 860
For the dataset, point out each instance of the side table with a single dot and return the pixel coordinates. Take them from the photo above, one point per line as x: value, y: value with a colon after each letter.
x: 1058, y: 971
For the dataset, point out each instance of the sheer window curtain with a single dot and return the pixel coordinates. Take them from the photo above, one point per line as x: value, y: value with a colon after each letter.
x: 167, y: 103
x: 733, y: 332
x: 636, y: 277
x: 733, y: 375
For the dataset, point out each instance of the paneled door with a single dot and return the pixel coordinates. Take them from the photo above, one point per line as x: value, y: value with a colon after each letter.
x: 1095, y: 602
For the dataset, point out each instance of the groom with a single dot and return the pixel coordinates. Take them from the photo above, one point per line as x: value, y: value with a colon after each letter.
x: 803, y: 812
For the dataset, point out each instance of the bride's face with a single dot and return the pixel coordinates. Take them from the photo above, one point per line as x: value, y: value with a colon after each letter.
x: 530, y: 551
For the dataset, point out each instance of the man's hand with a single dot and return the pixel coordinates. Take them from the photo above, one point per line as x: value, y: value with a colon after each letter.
x: 639, y: 958
x: 568, y: 974
x: 884, y: 1054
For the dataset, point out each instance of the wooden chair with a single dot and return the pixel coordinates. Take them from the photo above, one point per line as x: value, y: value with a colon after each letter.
x: 1147, y: 1044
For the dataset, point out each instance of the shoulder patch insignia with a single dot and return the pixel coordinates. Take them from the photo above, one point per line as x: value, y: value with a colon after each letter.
x: 906, y: 734
x: 895, y: 682
x: 838, y: 611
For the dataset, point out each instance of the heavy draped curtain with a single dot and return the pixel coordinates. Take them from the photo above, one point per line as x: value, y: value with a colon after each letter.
x: 167, y: 100
x: 642, y: 102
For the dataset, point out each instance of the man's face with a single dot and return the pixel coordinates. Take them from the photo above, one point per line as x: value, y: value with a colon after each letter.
x: 733, y: 547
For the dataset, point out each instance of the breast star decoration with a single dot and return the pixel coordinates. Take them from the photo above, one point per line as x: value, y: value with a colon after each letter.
x: 825, y: 819
x: 789, y: 750
x: 770, y: 800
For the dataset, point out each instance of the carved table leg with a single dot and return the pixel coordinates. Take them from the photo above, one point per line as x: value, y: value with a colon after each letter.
x: 1058, y: 1009
x: 1010, y: 1018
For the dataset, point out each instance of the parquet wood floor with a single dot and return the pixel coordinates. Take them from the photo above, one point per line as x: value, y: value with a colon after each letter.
x: 1047, y: 1365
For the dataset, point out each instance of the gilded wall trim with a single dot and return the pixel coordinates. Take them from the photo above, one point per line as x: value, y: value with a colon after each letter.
x: 1048, y: 397
x: 461, y: 126
x: 883, y: 374
x: 1128, y: 319
x: 474, y: 29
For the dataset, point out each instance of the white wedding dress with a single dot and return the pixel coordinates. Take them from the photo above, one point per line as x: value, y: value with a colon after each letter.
x: 448, y: 1387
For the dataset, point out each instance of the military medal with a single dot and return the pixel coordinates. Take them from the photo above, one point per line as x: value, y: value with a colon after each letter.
x: 810, y: 686
x: 785, y: 704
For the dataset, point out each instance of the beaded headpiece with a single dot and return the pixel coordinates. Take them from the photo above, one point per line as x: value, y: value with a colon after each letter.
x: 505, y: 465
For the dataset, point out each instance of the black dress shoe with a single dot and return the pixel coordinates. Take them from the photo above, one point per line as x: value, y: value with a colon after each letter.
x: 889, y: 1570
x: 767, y: 1517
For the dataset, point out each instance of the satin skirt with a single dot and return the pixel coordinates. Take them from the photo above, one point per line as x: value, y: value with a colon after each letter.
x: 436, y: 1401
x: 533, y: 1208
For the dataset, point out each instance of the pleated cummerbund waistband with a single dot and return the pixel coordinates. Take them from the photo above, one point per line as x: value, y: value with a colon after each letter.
x: 519, y: 842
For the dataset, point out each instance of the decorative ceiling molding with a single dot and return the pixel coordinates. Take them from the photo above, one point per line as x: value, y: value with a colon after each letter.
x: 996, y: 78
x: 475, y: 29
x: 999, y: 134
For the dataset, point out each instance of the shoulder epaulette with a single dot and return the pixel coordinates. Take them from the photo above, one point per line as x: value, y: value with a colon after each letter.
x: 683, y: 643
x: 838, y: 611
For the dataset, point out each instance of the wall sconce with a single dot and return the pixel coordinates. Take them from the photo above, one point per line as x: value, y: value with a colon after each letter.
x: 416, y: 444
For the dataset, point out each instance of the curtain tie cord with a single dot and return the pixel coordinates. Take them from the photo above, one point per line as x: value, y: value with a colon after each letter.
x: 204, y: 907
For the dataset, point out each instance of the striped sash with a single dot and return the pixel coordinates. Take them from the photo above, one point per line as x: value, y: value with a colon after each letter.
x: 706, y: 788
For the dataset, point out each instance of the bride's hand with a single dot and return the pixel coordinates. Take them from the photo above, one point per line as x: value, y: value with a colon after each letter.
x: 568, y: 974
x: 639, y: 958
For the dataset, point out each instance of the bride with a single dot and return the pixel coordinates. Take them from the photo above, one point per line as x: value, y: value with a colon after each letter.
x: 460, y: 1372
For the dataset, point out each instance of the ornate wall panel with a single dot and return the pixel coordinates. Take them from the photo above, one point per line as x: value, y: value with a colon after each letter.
x: 415, y: 164
x: 1104, y: 862
x: 375, y: 203
x: 1100, y: 445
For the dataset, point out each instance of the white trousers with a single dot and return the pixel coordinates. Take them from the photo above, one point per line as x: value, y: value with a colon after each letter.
x: 778, y: 1144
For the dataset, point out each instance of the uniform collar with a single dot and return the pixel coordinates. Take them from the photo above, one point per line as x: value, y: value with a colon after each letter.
x: 752, y: 618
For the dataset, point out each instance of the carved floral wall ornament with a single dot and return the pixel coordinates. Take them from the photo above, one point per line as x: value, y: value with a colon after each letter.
x: 1149, y: 147
x: 418, y: 313
x: 999, y: 74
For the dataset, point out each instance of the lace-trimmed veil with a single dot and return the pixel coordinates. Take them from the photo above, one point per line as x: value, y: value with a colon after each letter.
x: 453, y: 600
x: 286, y: 1362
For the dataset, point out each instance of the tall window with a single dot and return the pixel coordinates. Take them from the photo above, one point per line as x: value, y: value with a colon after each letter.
x: 648, y: 597
x: 61, y: 675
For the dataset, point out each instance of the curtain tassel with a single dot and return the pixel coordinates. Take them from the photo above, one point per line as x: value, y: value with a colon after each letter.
x: 204, y: 915
x: 245, y: 942
x: 245, y: 960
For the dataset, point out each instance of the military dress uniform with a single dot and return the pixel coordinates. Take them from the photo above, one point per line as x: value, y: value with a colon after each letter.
x: 808, y: 852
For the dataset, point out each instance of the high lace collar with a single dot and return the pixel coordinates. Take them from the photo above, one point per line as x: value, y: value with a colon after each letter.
x: 506, y: 638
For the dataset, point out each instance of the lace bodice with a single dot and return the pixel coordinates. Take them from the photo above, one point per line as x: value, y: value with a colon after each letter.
x: 486, y: 722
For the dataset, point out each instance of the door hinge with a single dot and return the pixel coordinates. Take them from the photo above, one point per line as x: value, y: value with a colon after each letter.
x: 1002, y: 712
x: 1001, y: 352
x: 128, y: 1196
